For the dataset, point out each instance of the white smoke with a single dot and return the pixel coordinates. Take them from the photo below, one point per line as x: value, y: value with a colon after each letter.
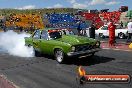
x: 14, y: 44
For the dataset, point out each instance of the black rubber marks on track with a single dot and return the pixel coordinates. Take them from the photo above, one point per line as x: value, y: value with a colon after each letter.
x: 22, y: 65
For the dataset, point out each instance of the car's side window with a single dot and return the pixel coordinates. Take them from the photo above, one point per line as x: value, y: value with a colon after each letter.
x: 44, y: 35
x: 37, y: 34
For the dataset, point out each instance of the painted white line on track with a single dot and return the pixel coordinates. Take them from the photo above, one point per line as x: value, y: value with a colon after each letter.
x: 6, y: 82
x: 117, y: 49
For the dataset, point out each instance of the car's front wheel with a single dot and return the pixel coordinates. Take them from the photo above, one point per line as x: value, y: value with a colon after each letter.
x: 59, y: 56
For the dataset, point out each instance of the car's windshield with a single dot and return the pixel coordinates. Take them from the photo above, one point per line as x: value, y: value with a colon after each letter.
x: 55, y: 35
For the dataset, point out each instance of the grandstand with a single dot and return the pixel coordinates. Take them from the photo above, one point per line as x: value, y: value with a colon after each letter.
x: 24, y: 21
x: 114, y: 16
x: 93, y: 17
x: 64, y: 20
x: 99, y: 19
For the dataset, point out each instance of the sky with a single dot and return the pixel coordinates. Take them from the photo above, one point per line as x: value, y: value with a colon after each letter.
x: 82, y: 4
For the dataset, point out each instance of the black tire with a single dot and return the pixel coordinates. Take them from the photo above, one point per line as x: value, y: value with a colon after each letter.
x: 121, y: 35
x: 33, y: 52
x: 59, y: 56
x: 37, y: 53
x: 101, y: 35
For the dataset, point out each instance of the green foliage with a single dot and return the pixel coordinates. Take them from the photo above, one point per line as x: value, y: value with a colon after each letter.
x: 7, y: 12
x: 129, y: 14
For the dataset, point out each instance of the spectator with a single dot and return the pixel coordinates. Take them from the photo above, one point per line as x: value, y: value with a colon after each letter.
x: 92, y: 31
x: 4, y: 27
x: 21, y: 29
x: 129, y: 26
x: 79, y: 28
x: 111, y: 28
x: 121, y: 24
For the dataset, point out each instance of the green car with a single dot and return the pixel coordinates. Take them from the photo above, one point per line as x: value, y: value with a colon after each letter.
x: 61, y: 43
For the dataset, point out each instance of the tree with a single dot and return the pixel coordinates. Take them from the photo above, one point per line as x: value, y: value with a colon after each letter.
x: 129, y: 14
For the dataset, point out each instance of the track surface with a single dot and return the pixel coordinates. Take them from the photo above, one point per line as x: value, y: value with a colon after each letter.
x: 43, y: 72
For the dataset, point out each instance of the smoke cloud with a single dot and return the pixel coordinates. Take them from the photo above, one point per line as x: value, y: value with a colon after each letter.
x: 14, y: 44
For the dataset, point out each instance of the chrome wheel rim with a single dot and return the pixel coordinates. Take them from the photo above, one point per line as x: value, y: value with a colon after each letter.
x: 59, y: 56
x: 101, y: 35
x: 121, y: 36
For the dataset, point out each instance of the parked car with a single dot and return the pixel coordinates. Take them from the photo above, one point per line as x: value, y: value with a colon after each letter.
x: 61, y: 43
x: 104, y: 32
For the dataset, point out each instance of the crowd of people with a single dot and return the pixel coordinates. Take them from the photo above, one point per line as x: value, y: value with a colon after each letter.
x: 63, y: 20
x: 23, y: 22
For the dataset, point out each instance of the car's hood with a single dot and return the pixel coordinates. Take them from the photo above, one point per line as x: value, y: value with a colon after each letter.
x: 75, y: 40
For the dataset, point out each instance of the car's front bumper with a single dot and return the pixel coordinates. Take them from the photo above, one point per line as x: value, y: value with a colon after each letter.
x: 83, y: 52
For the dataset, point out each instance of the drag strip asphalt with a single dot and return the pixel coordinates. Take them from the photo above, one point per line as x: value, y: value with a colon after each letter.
x: 43, y: 72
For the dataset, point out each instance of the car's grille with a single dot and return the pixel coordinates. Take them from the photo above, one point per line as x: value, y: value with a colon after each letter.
x: 84, y: 47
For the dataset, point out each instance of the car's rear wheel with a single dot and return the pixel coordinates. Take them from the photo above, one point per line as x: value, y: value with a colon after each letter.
x: 59, y: 56
x: 121, y: 35
x: 101, y: 35
x: 37, y: 53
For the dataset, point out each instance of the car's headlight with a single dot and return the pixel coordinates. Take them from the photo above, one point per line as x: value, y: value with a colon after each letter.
x: 73, y: 48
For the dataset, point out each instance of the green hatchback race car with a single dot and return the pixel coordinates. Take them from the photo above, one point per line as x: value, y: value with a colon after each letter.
x: 61, y: 43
